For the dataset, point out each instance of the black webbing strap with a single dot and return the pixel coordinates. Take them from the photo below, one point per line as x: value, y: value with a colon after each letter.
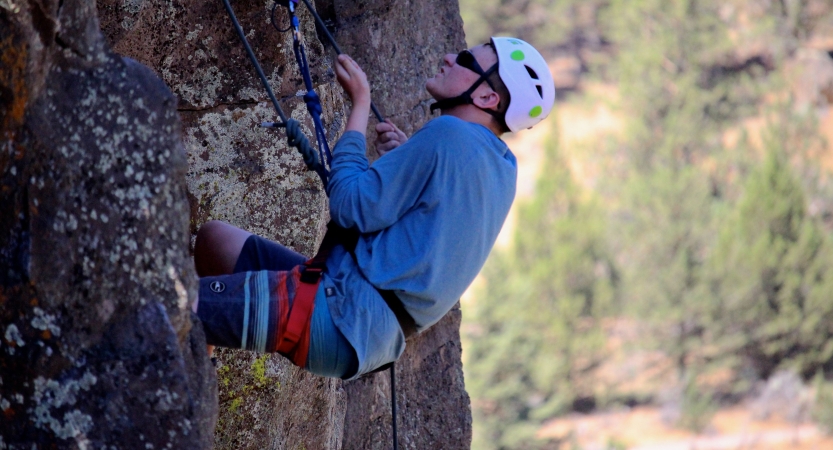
x: 393, y: 403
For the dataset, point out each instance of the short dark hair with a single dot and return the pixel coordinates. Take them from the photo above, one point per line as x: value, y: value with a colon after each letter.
x: 503, y: 92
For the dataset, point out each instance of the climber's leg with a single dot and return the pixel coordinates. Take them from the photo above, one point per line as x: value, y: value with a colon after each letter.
x: 243, y: 310
x: 246, y: 310
x: 222, y: 249
x: 262, y: 254
x: 217, y: 248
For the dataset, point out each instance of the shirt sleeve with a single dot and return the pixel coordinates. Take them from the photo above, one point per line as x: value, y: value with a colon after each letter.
x: 371, y: 198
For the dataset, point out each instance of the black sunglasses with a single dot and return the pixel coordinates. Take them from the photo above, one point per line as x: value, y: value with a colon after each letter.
x: 466, y: 59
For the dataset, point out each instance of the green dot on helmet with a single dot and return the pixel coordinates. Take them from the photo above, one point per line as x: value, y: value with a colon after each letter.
x: 535, y: 112
x: 515, y: 42
x: 517, y: 55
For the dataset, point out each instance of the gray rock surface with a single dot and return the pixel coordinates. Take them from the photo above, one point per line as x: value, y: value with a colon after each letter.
x: 245, y: 175
x: 97, y: 346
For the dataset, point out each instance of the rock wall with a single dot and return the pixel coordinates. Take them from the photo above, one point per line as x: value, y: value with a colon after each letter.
x: 99, y: 180
x: 247, y: 176
x: 97, y: 346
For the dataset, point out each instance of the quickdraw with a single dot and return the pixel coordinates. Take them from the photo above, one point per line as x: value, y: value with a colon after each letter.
x: 295, y: 137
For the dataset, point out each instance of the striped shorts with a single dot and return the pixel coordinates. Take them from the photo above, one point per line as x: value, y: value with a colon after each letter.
x: 249, y: 308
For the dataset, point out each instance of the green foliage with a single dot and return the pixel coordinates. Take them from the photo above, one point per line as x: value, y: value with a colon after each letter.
x: 615, y: 444
x: 823, y: 405
x: 697, y: 407
x: 712, y: 249
x: 679, y: 109
x: 536, y: 326
x: 773, y: 275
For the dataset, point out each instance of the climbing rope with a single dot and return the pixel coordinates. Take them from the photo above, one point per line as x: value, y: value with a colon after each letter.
x: 311, y: 98
x: 295, y: 137
x: 323, y: 28
x: 393, y: 403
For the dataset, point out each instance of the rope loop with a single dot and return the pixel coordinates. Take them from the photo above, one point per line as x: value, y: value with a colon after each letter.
x: 296, y: 138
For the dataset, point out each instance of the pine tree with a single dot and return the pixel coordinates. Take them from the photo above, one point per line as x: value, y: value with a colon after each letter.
x: 669, y: 201
x: 773, y: 276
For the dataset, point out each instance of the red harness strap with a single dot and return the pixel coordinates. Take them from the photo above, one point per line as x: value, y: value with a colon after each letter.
x: 293, y: 335
x: 294, y: 327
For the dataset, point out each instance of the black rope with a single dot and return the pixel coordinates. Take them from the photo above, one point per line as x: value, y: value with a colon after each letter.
x: 253, y: 59
x: 393, y: 403
x: 323, y: 27
x: 274, y: 24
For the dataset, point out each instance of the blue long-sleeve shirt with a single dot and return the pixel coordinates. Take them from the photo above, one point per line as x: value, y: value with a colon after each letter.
x: 429, y: 213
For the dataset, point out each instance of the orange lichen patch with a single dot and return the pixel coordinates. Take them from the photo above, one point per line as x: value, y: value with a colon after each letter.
x: 46, y: 334
x: 13, y: 69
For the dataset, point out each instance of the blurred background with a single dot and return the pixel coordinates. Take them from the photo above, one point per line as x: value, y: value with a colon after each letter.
x: 665, y: 280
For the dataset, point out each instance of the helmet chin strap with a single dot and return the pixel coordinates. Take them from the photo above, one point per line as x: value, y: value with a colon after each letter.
x: 466, y: 99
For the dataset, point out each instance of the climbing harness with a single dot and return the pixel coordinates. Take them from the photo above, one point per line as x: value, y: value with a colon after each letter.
x: 294, y: 340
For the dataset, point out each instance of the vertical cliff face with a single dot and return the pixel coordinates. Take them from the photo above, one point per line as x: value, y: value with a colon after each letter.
x: 97, y: 347
x: 246, y: 175
x: 112, y: 135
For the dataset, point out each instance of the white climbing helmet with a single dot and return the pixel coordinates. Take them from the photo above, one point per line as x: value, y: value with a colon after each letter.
x: 527, y: 77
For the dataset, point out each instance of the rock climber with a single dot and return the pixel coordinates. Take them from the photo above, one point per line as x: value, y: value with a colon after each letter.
x: 424, y: 217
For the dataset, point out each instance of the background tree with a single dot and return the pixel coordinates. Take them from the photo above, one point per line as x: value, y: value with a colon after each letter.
x: 772, y: 277
x: 679, y: 235
x: 537, y: 323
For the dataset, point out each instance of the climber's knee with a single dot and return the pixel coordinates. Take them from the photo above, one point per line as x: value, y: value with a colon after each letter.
x: 217, y: 248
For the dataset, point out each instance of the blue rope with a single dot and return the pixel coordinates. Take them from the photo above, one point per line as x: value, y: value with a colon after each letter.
x: 313, y: 103
x: 311, y: 98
